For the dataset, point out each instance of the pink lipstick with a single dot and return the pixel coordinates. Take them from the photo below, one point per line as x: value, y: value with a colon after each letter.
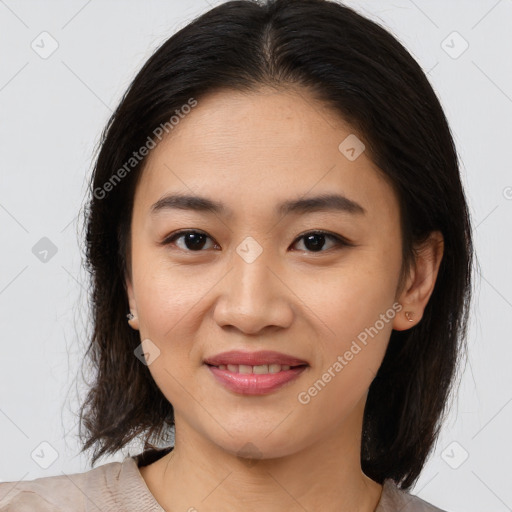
x: 255, y: 373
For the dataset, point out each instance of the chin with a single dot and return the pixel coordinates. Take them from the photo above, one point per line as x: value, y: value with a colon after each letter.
x: 253, y: 446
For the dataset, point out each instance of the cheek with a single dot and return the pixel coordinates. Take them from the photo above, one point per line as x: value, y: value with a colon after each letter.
x: 168, y: 302
x: 351, y: 298
x: 166, y: 293
x: 356, y: 318
x: 168, y: 309
x: 356, y: 306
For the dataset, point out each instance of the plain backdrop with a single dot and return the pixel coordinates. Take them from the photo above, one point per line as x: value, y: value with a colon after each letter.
x: 64, y: 67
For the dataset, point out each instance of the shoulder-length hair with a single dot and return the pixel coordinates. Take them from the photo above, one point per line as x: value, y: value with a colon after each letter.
x: 364, y: 74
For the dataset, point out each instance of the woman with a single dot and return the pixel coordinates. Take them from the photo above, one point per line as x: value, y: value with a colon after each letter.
x: 277, y: 208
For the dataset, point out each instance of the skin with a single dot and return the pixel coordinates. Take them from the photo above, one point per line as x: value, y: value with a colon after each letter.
x: 252, y: 151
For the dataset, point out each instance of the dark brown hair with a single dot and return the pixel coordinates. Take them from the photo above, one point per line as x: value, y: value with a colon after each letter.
x: 365, y: 75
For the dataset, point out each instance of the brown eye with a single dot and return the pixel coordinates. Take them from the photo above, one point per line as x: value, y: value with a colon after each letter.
x: 193, y: 241
x: 314, y: 241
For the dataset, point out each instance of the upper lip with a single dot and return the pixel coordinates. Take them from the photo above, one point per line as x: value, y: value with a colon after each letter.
x: 253, y: 358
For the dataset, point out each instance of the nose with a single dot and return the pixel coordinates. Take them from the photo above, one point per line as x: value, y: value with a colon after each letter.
x: 254, y: 295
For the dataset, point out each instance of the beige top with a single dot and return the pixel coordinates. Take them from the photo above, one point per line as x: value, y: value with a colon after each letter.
x: 120, y: 487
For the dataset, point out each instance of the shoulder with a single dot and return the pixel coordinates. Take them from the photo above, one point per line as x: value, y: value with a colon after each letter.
x: 77, y: 491
x: 393, y: 499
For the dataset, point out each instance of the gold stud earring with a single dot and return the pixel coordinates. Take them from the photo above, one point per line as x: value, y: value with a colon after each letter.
x: 408, y: 315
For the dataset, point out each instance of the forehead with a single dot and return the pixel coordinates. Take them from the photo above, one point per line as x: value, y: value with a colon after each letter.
x: 253, y: 150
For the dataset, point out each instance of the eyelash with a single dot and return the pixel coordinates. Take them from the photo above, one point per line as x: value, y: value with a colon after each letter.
x: 340, y: 241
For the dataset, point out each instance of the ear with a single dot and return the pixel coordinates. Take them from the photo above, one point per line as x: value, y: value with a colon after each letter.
x: 134, y: 323
x: 420, y: 282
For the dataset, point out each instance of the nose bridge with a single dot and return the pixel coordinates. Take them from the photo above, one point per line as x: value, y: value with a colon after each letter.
x: 252, y: 275
x: 253, y: 296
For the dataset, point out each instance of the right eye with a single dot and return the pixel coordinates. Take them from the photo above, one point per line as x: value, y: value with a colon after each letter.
x: 193, y: 241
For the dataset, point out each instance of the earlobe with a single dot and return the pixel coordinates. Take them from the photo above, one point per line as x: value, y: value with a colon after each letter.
x: 133, y: 321
x: 421, y: 282
x: 132, y: 315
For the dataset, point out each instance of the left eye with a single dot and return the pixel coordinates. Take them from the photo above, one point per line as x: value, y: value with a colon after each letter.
x: 194, y: 241
x: 316, y: 239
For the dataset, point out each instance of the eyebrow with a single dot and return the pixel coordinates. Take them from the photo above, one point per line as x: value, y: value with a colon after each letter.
x: 324, y: 202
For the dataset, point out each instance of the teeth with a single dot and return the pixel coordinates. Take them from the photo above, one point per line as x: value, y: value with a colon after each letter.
x: 259, y: 369
x: 262, y: 368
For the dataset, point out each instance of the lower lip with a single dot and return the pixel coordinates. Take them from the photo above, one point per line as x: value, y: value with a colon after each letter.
x: 254, y: 383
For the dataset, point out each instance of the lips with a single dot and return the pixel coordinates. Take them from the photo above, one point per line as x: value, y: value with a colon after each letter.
x: 263, y: 357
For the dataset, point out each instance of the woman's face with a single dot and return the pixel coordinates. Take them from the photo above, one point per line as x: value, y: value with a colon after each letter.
x: 258, y: 279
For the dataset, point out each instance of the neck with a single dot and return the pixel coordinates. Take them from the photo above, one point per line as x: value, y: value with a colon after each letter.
x: 324, y: 475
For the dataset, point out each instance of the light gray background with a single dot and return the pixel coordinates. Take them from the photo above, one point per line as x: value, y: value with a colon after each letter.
x: 52, y: 112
